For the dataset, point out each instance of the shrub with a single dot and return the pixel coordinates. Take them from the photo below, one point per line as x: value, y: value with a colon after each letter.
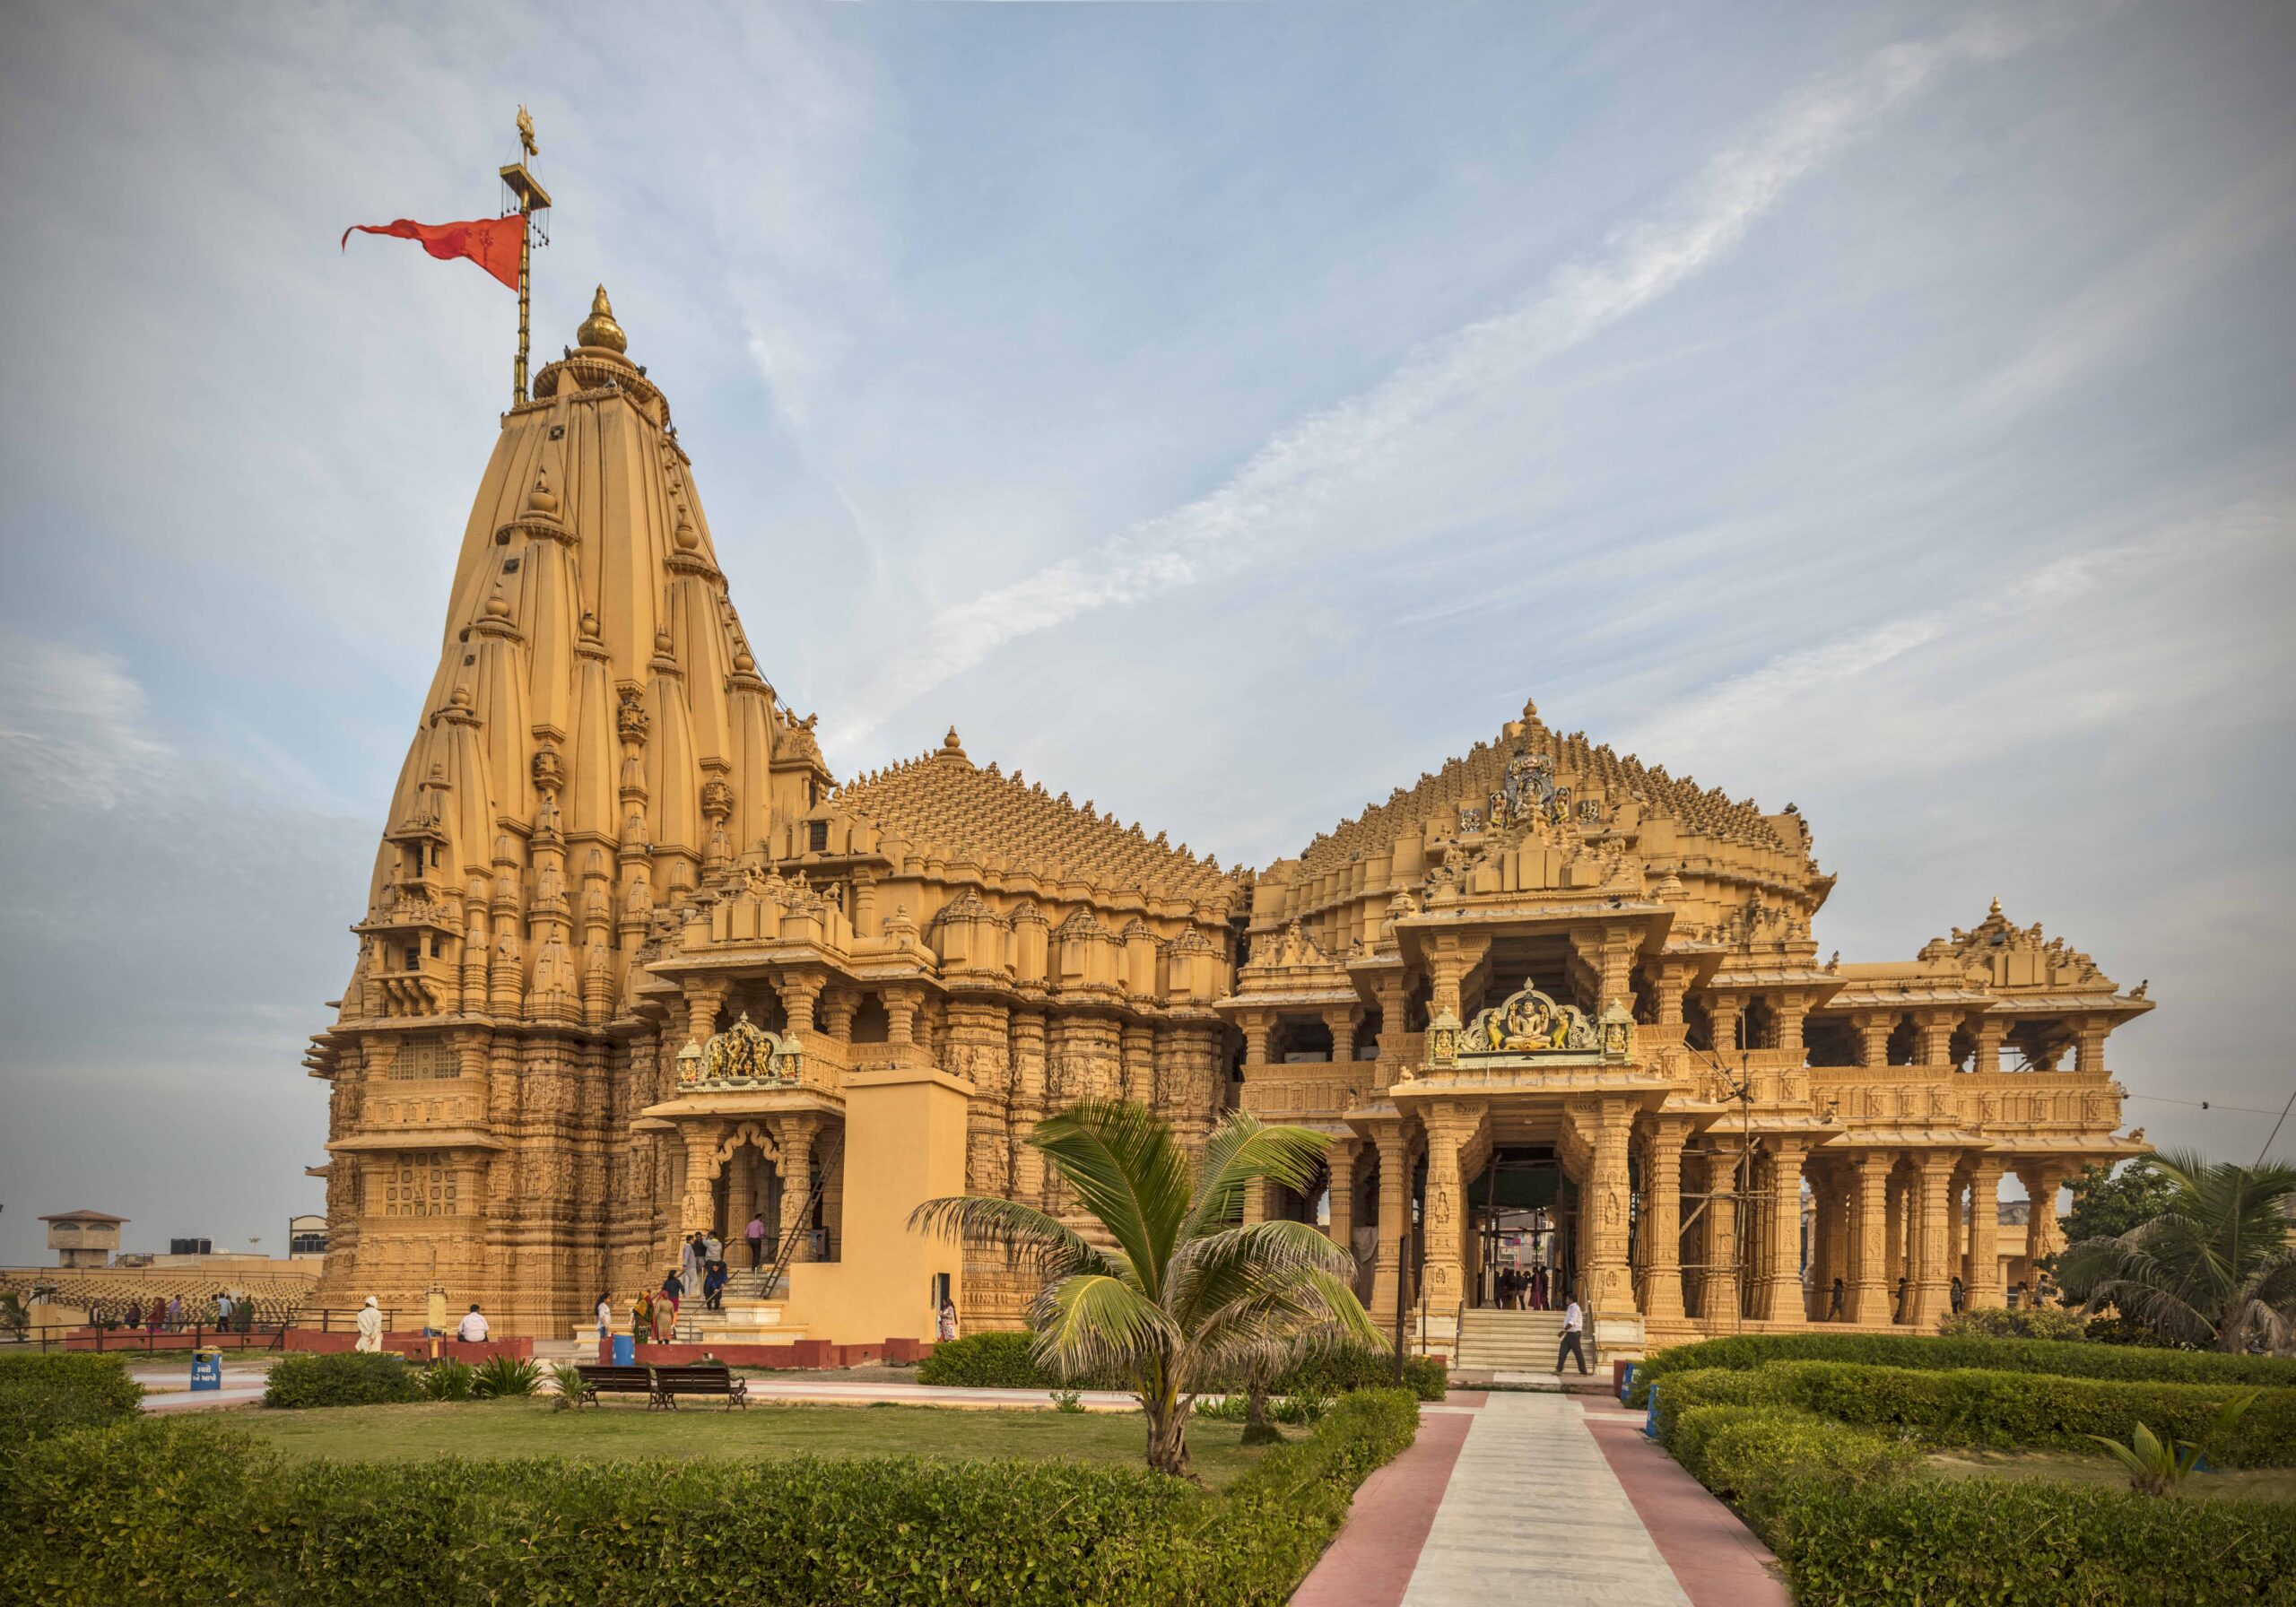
x: 2066, y: 1359
x: 2027, y: 1322
x: 450, y: 1380
x: 499, y: 1377
x: 2032, y: 1544
x: 342, y: 1378
x: 566, y: 1378
x: 43, y: 1395
x: 1005, y: 1362
x: 196, y: 1512
x: 1306, y: 1407
x: 2006, y: 1410
x: 1755, y: 1456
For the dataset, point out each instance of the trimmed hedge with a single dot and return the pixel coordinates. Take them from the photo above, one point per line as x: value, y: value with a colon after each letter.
x: 197, y: 1512
x: 2019, y: 1543
x: 2069, y: 1358
x: 2003, y: 1410
x: 43, y: 1395
x: 1854, y: 1523
x: 1006, y: 1362
x: 341, y: 1378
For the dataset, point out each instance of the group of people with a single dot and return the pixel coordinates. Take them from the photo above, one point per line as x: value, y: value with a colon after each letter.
x: 1525, y: 1291
x: 224, y: 1313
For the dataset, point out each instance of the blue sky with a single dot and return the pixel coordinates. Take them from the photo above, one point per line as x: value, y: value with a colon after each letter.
x: 1222, y: 412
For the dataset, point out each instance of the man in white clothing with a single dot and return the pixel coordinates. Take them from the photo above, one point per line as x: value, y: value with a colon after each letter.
x: 472, y: 1330
x: 370, y: 1327
x: 1574, y: 1329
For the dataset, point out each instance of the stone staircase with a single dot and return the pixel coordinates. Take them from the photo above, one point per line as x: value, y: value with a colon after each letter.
x: 1503, y: 1343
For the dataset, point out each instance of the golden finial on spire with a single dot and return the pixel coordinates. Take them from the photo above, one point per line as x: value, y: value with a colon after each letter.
x: 526, y: 133
x: 599, y: 329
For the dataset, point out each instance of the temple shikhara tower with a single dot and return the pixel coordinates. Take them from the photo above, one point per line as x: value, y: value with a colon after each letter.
x: 635, y: 962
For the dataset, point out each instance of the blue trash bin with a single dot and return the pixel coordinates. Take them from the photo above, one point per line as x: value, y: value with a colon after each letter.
x: 1626, y: 1382
x: 625, y: 1351
x: 207, y: 1369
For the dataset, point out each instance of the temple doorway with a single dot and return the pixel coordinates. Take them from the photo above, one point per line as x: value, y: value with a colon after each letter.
x: 1520, y: 1212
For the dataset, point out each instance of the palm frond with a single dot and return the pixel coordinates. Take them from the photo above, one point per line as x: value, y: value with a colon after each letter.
x: 1240, y: 1152
x: 983, y: 1221
x: 1220, y: 1268
x: 1092, y: 1323
x: 1126, y: 1169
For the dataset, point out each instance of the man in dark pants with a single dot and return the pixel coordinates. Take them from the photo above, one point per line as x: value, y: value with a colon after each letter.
x: 1574, y: 1329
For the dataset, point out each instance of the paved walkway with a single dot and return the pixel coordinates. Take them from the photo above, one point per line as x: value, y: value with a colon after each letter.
x: 1543, y: 1499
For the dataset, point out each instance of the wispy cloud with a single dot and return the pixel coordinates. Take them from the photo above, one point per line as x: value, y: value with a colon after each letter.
x: 75, y: 728
x: 1300, y: 471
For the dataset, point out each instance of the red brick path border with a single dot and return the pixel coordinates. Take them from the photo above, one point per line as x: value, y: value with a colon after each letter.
x: 1369, y: 1564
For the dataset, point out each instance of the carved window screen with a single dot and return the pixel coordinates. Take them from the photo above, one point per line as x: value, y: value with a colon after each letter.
x: 425, y: 1056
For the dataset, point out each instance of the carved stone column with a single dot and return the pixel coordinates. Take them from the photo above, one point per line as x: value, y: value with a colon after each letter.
x: 696, y: 1205
x: 1718, y: 1301
x: 1606, y: 1125
x: 1026, y: 1031
x: 703, y: 997
x: 903, y: 1012
x: 1991, y: 1033
x: 1342, y: 1023
x: 1669, y: 982
x: 1391, y: 1011
x: 1783, y: 1300
x: 1936, y: 1037
x: 1451, y: 1129
x: 1870, y: 1236
x: 1390, y: 1292
x: 1662, y: 1211
x: 1257, y: 1027
x: 1722, y: 1011
x: 799, y: 991
x: 796, y: 1166
x: 2041, y: 1179
x: 1932, y: 1294
x: 1981, y: 1273
x: 1874, y: 1029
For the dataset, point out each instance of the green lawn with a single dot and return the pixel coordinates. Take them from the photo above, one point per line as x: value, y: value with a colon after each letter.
x: 2266, y: 1483
x: 501, y: 1428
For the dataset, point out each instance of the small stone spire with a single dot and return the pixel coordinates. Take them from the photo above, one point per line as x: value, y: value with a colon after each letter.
x: 599, y: 329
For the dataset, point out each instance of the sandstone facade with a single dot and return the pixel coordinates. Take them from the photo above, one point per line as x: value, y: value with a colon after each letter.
x: 630, y: 945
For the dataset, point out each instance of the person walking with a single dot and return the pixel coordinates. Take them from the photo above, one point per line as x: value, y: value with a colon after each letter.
x: 134, y: 1318
x: 175, y: 1313
x: 713, y: 1286
x: 642, y: 1318
x: 370, y: 1328
x: 755, y: 1234
x: 1833, y: 1307
x: 713, y: 1248
x: 605, y: 1316
x: 472, y: 1329
x: 223, y: 1311
x: 948, y: 1327
x: 1574, y: 1330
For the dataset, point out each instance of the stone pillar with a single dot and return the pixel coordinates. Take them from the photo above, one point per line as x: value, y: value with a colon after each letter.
x: 1342, y: 1024
x: 902, y: 1012
x: 2041, y: 1179
x: 1870, y: 1235
x: 1662, y: 1212
x: 1874, y: 1029
x: 1341, y: 1159
x: 1448, y: 1128
x: 2089, y: 1046
x: 1981, y: 1273
x: 1782, y: 1264
x: 1720, y: 1301
x: 1027, y: 1055
x: 799, y: 990
x: 1932, y: 1293
x: 694, y: 1210
x: 1604, y: 1205
x: 796, y: 1183
x: 703, y: 996
x: 1722, y: 1010
x: 1257, y: 1027
x: 1668, y: 982
x: 1936, y: 1037
x: 1793, y: 1009
x: 1619, y: 946
x: 1389, y: 1290
x: 1391, y: 1030
x: 1991, y: 1033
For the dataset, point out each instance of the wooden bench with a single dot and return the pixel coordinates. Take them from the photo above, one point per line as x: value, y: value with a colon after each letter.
x: 602, y: 1380
x: 701, y: 1378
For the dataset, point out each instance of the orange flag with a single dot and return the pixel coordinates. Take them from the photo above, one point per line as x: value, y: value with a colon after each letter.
x: 492, y: 243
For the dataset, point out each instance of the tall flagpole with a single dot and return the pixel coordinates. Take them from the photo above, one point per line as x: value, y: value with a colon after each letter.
x: 533, y: 201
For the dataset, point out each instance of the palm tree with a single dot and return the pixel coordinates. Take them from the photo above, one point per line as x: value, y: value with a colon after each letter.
x: 2214, y: 1269
x: 1187, y: 1292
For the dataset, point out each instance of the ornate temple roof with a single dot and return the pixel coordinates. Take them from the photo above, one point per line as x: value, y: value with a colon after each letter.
x: 1591, y: 767
x: 946, y: 804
